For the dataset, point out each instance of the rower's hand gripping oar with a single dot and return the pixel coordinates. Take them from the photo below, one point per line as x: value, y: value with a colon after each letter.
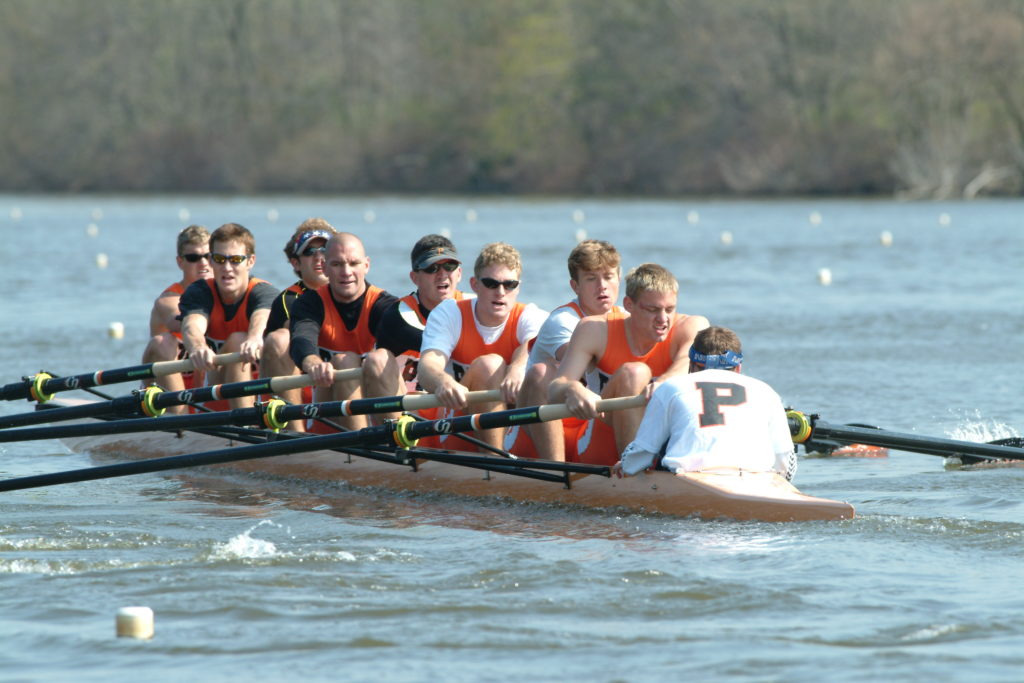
x: 42, y: 387
x: 810, y: 427
x: 402, y: 433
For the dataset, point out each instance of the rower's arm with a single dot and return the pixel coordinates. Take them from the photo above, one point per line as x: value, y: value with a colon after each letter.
x: 432, y: 376
x: 515, y: 373
x: 163, y: 317
x: 253, y: 344
x: 193, y: 337
x: 566, y: 386
x: 682, y: 340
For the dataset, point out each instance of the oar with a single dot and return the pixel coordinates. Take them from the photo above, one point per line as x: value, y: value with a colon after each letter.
x: 403, y: 433
x: 41, y: 387
x: 153, y: 401
x: 273, y: 415
x: 804, y: 428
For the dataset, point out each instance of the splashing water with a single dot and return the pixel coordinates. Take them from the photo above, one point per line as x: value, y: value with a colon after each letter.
x: 245, y: 547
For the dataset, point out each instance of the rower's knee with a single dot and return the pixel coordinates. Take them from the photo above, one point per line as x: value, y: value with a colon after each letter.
x: 276, y: 343
x: 631, y: 378
x: 377, y: 362
x: 536, y: 381
x: 161, y: 347
x: 346, y: 360
x: 485, y: 371
x: 233, y: 342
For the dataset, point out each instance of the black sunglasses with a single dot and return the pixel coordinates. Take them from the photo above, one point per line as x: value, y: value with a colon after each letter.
x: 449, y: 266
x: 195, y: 258
x: 491, y: 283
x: 234, y: 258
x: 311, y: 251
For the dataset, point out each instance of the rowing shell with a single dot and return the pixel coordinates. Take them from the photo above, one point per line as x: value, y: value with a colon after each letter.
x: 723, y: 493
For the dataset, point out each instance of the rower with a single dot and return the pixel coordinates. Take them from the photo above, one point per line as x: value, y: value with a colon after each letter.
x: 390, y: 369
x: 713, y: 417
x: 305, y: 250
x: 228, y: 312
x: 164, y: 326
x: 481, y: 343
x: 648, y: 341
x: 333, y: 327
x: 594, y: 274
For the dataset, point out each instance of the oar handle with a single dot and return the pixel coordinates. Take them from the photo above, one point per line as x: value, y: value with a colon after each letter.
x: 420, y: 401
x: 301, y: 381
x: 559, y: 411
x: 173, y: 367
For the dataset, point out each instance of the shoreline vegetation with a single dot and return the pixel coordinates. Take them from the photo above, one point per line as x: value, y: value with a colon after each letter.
x: 919, y: 99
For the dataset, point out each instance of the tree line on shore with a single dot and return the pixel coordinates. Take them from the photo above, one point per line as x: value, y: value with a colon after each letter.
x: 921, y: 98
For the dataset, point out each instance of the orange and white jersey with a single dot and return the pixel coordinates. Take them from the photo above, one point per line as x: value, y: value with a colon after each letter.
x: 454, y: 330
x: 335, y: 337
x: 713, y: 418
x: 557, y: 331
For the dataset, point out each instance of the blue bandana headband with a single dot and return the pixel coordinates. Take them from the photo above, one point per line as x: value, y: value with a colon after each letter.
x: 299, y: 242
x: 724, y: 361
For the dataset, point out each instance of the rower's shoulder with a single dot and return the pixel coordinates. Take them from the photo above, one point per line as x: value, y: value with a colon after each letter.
x: 692, y: 323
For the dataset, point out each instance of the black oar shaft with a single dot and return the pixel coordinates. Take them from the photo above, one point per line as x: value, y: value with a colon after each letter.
x: 239, y: 416
x: 124, y: 405
x: 913, y: 442
x: 217, y: 457
x: 24, y: 389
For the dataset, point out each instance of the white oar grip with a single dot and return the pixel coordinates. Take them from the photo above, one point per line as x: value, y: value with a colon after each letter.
x: 170, y: 367
x: 559, y: 411
x: 419, y: 401
x: 286, y: 382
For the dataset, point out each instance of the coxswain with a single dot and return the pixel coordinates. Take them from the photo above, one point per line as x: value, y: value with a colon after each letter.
x: 482, y: 343
x: 306, y: 251
x: 649, y: 341
x: 713, y: 417
x: 334, y: 327
x: 228, y: 312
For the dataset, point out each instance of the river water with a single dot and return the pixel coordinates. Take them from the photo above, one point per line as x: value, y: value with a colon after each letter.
x: 262, y: 579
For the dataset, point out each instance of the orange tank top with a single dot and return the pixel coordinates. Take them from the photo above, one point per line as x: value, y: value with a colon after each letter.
x: 617, y: 353
x: 337, y: 338
x: 218, y: 329
x: 175, y: 288
x: 471, y: 345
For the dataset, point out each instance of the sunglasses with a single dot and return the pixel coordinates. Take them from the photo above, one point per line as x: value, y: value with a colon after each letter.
x: 195, y: 258
x: 449, y: 267
x: 491, y: 283
x: 313, y: 251
x: 234, y: 258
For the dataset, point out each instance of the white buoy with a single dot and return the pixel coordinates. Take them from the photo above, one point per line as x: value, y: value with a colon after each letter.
x: 184, y: 215
x: 693, y: 218
x: 471, y: 216
x: 578, y: 216
x: 116, y: 330
x: 945, y: 219
x: 726, y: 237
x: 97, y: 214
x: 101, y: 260
x: 135, y: 622
x: 825, y: 276
x: 885, y: 238
x: 92, y: 230
x: 369, y: 215
x: 16, y: 214
x: 446, y: 232
x: 815, y: 218
x: 581, y: 235
x: 273, y: 215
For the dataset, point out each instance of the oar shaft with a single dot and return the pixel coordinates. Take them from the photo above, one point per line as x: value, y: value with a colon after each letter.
x: 517, y: 416
x: 224, y: 455
x: 913, y: 442
x: 25, y: 388
x: 369, y: 406
x: 264, y: 385
x: 239, y: 416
